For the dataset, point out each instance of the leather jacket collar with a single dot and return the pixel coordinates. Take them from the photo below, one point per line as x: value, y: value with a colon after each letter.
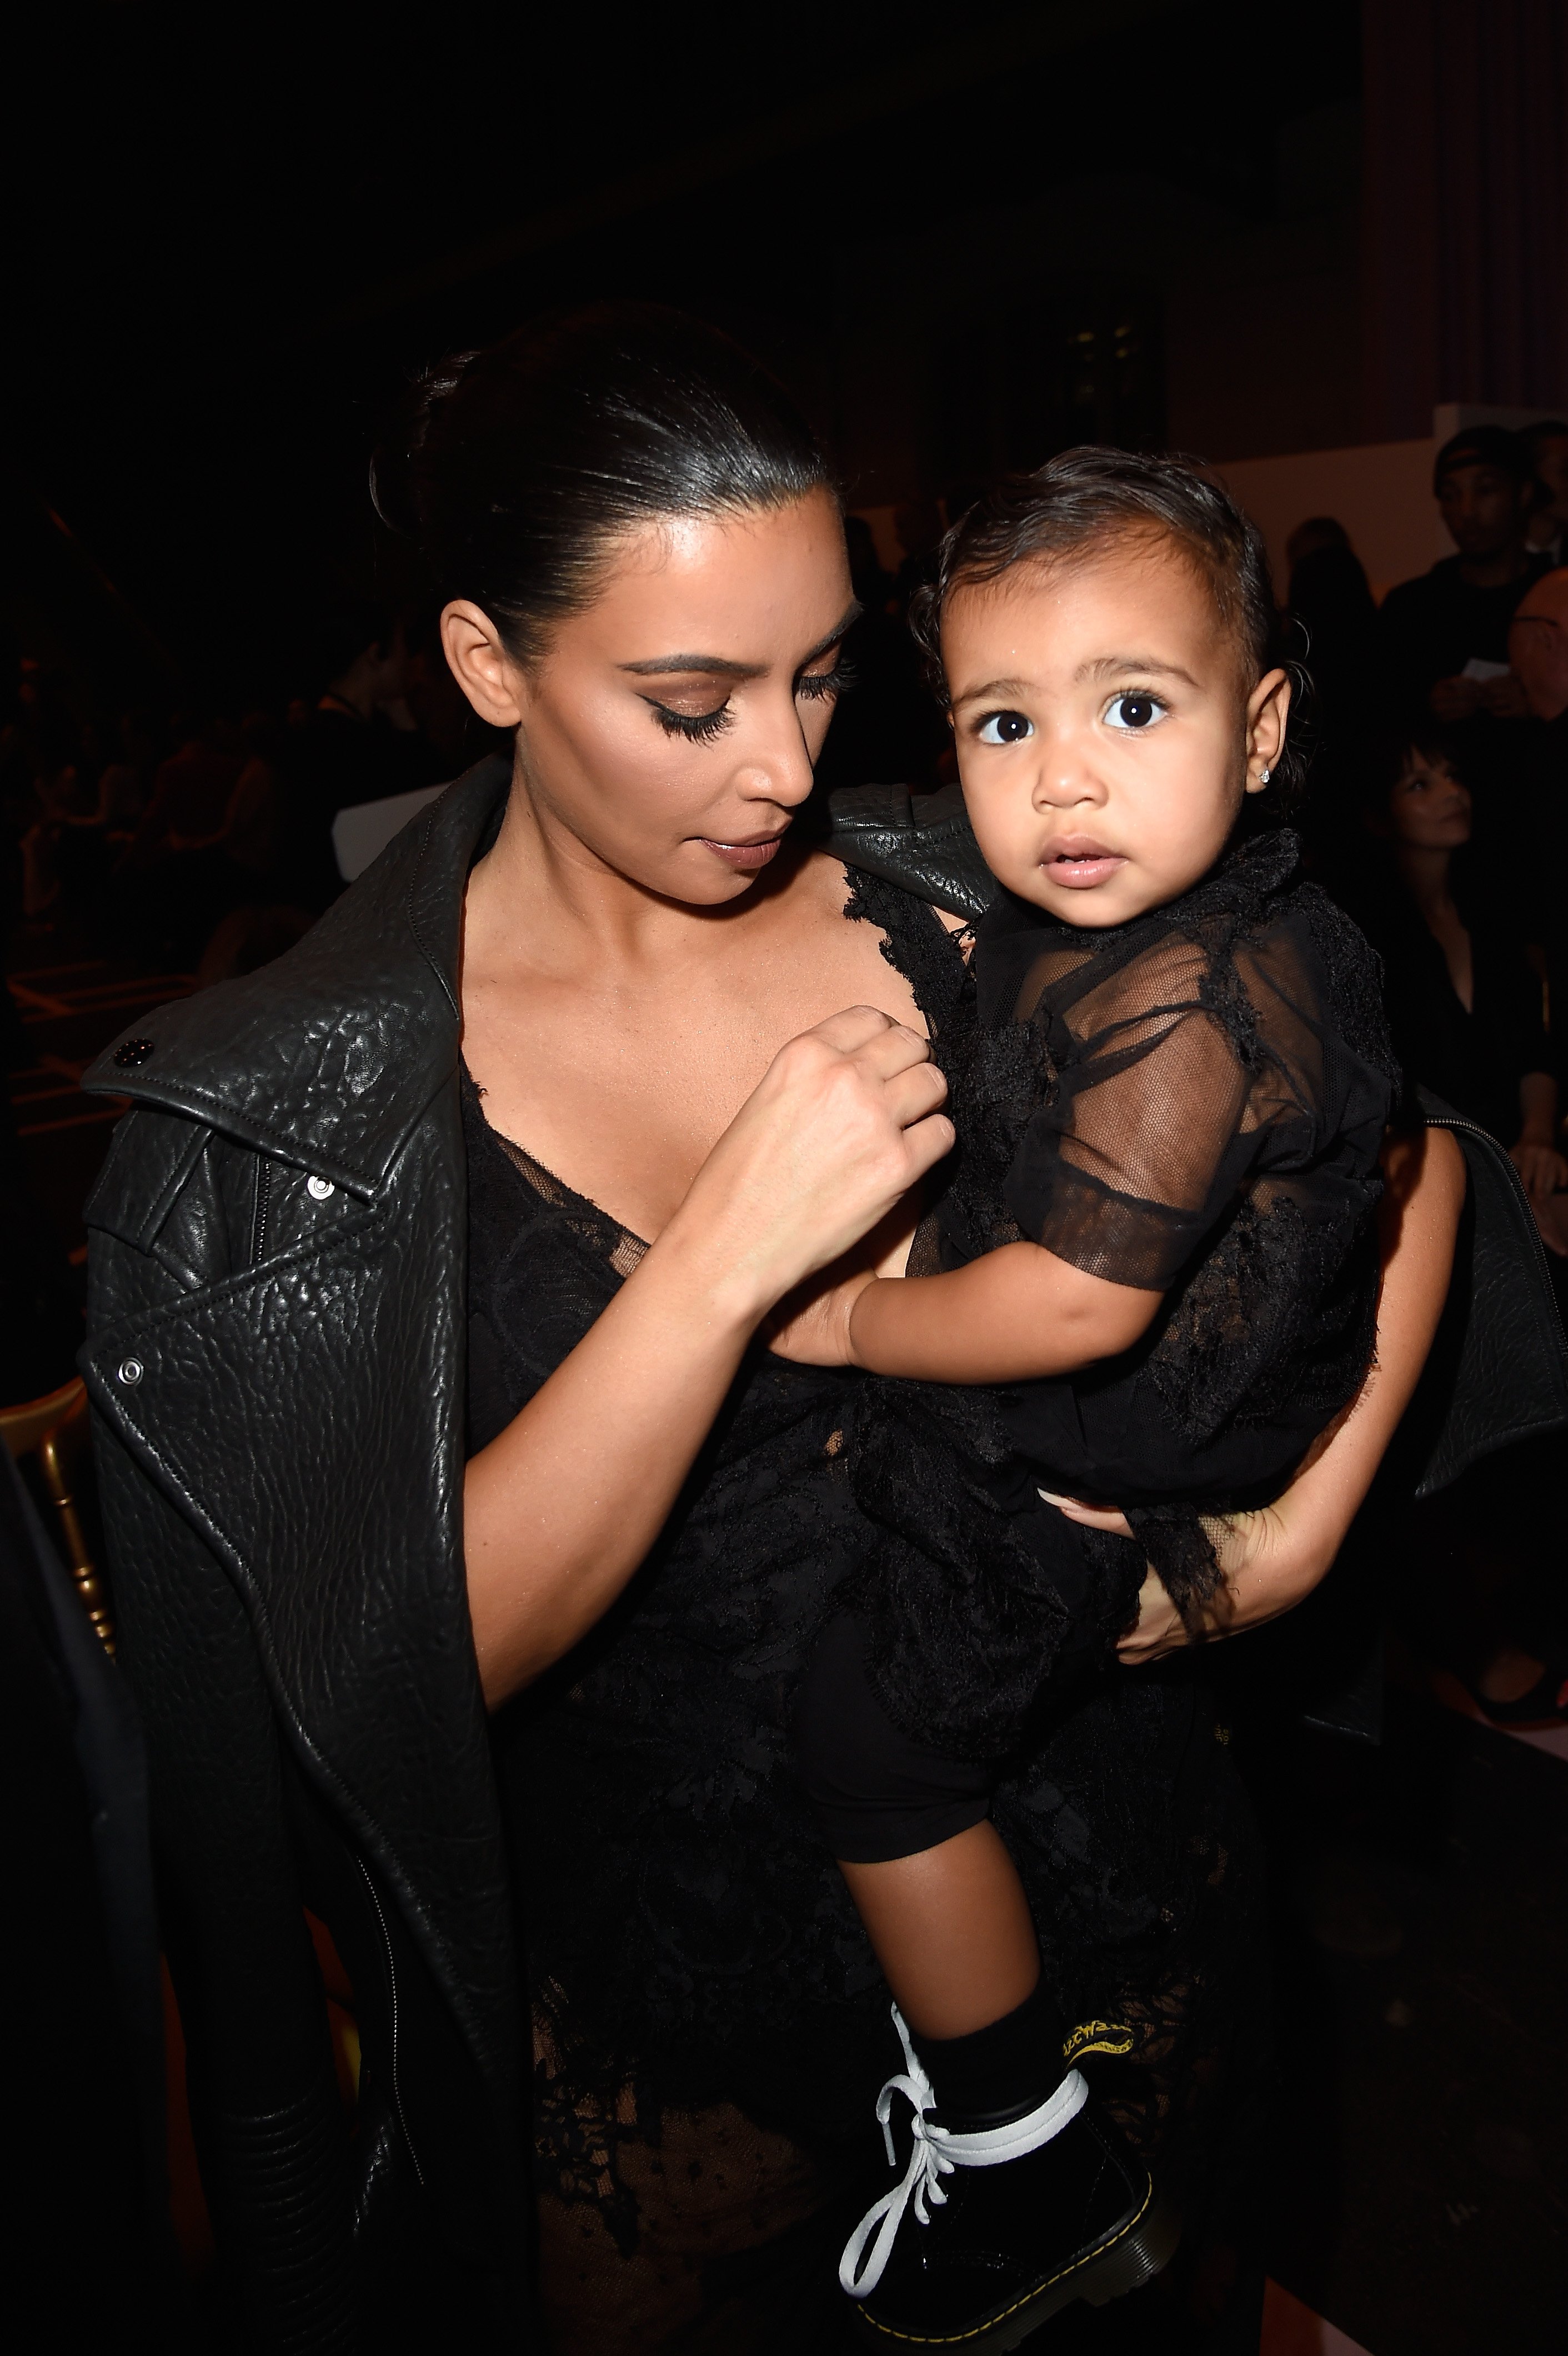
x: 328, y: 1057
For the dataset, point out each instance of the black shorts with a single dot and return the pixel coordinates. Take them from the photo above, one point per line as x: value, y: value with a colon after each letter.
x: 877, y: 1794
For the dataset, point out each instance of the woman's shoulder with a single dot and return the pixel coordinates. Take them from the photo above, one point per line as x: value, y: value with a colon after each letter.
x: 920, y: 842
x: 330, y: 1053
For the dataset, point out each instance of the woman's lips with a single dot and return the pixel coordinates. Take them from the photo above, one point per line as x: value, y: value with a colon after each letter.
x: 746, y: 856
x: 1081, y: 865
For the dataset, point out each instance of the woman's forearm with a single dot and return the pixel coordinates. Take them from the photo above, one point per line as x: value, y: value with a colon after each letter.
x: 1273, y: 1557
x: 1304, y: 1532
x: 560, y: 1509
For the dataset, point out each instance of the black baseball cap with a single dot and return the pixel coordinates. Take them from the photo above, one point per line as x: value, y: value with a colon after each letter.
x: 1484, y: 445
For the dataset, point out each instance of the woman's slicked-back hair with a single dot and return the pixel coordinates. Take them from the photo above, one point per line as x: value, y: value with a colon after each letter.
x: 516, y: 468
x: 1084, y: 503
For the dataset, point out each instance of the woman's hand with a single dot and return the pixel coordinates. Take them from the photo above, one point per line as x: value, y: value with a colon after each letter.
x: 1270, y: 1560
x: 842, y: 1125
x: 562, y: 1506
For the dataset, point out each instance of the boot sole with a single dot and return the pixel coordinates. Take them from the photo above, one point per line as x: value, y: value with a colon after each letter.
x: 1137, y: 2252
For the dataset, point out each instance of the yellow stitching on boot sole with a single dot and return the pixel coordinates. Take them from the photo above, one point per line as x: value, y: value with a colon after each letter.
x: 956, y: 2339
x: 1098, y: 2037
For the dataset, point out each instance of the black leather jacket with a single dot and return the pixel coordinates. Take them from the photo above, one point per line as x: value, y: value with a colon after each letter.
x: 276, y: 1361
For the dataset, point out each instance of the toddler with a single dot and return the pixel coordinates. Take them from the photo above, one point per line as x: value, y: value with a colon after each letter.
x: 1155, y: 1251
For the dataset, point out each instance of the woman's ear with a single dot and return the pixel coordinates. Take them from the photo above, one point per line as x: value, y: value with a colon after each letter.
x: 1269, y: 710
x: 489, y: 677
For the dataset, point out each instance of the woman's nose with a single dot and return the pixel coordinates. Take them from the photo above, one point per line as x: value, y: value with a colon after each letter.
x: 781, y: 770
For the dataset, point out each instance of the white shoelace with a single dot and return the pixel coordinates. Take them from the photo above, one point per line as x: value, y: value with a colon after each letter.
x: 935, y: 2155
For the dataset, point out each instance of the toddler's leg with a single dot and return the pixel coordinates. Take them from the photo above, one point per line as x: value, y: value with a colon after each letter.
x: 1038, y: 2202
x: 939, y: 1895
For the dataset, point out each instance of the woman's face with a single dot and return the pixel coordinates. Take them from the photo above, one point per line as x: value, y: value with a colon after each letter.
x: 669, y: 732
x: 1429, y: 807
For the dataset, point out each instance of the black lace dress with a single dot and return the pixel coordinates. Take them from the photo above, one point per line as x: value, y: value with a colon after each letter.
x: 1191, y: 1104
x: 710, y: 2026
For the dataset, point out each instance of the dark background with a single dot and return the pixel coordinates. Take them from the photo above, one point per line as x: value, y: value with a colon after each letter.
x: 965, y: 237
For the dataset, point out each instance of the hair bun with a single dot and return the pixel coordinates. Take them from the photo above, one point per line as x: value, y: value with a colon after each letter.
x: 395, y: 470
x: 517, y: 470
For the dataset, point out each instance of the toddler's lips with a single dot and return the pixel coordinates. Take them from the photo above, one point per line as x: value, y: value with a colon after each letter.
x: 1081, y: 865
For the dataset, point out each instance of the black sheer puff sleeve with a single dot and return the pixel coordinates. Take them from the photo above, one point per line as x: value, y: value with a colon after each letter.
x: 1175, y: 1067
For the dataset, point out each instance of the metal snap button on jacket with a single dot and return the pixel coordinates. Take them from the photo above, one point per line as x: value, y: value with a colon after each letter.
x: 131, y: 1370
x: 131, y: 1052
x: 319, y: 1188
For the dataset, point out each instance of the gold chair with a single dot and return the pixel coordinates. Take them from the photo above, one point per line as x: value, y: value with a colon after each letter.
x: 53, y: 1430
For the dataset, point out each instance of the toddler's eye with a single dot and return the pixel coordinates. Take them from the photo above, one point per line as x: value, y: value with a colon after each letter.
x: 1004, y: 728
x: 1133, y: 712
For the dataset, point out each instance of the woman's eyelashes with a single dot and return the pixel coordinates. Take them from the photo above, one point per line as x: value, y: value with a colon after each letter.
x: 696, y: 727
x: 816, y: 684
x: 701, y: 727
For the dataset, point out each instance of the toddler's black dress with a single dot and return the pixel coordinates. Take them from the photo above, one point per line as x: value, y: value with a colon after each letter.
x: 1190, y: 1103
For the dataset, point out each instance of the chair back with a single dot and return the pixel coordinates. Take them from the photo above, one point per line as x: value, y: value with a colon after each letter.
x: 53, y: 1432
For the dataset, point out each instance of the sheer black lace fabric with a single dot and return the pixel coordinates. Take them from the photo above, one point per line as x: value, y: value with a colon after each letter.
x: 710, y: 2024
x: 1209, y: 1089
x: 1191, y: 1104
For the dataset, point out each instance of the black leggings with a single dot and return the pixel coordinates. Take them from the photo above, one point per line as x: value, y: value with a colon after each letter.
x: 877, y: 1794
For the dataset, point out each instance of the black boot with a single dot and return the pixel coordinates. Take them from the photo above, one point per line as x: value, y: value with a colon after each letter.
x: 1000, y: 2220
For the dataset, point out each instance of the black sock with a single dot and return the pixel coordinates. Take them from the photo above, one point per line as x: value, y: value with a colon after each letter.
x: 1011, y: 2065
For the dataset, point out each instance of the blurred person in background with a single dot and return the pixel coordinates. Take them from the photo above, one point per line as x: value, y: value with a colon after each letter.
x: 1330, y: 597
x: 1465, y: 1006
x: 919, y: 526
x: 1335, y: 633
x: 888, y: 729
x: 1538, y: 650
x: 359, y: 742
x: 1463, y: 1002
x: 174, y: 882
x: 1444, y: 637
x: 1547, y: 445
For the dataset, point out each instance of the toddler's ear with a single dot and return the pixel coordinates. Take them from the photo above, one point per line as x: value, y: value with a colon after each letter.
x: 1268, y: 712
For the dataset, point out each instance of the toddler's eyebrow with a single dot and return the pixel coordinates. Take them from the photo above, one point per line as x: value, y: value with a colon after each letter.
x: 992, y: 687
x: 1108, y: 666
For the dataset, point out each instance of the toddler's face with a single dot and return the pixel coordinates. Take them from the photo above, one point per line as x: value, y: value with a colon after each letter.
x: 1105, y: 733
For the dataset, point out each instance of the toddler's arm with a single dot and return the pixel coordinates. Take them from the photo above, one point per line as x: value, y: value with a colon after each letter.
x: 1012, y: 1316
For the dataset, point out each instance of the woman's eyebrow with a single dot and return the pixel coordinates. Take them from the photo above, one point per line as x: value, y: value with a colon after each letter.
x: 727, y: 669
x: 721, y: 663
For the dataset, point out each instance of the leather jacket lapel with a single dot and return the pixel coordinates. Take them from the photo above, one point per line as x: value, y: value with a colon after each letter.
x: 328, y: 1057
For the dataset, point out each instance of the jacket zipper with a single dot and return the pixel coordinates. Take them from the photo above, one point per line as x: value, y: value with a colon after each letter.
x: 392, y: 1990
x: 263, y: 1206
